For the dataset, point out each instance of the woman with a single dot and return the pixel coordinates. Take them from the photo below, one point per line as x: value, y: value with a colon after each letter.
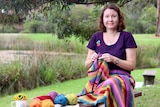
x: 111, y: 58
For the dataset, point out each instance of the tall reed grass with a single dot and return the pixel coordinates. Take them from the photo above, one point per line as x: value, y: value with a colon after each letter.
x: 51, y: 43
x: 148, y: 56
x: 40, y: 70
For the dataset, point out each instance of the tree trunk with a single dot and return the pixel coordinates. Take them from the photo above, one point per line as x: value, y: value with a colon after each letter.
x: 158, y: 19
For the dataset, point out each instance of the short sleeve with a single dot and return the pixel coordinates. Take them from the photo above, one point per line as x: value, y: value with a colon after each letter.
x: 130, y: 41
x: 92, y: 42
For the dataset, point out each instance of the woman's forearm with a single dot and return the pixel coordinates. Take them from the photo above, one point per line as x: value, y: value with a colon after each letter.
x: 88, y: 63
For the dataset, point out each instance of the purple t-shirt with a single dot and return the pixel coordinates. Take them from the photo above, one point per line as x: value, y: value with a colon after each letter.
x: 124, y: 41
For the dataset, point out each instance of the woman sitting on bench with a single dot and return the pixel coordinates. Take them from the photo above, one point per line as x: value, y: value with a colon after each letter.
x: 110, y: 60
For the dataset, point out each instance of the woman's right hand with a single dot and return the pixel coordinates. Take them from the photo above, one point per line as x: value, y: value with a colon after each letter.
x: 94, y: 56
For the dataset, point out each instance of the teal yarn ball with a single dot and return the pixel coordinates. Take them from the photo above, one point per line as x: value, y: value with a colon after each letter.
x: 61, y: 99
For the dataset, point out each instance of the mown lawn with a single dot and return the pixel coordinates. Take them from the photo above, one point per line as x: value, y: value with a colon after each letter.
x: 146, y: 39
x: 150, y: 97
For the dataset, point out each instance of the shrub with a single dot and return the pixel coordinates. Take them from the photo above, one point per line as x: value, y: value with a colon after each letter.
x: 148, y: 56
x: 8, y: 29
x: 35, y: 26
x: 39, y: 69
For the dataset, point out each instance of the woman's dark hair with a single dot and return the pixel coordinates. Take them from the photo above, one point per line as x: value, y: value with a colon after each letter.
x: 121, y: 25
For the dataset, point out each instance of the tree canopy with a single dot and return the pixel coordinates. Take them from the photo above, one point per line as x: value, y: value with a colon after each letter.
x: 24, y: 6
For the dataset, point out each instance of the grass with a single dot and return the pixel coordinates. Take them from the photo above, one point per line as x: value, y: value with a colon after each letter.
x: 150, y: 94
x: 146, y: 39
x: 41, y: 37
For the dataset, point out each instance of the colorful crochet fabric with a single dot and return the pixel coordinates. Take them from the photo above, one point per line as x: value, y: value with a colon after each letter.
x: 113, y: 89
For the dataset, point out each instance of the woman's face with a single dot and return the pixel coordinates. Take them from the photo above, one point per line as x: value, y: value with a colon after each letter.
x: 110, y: 19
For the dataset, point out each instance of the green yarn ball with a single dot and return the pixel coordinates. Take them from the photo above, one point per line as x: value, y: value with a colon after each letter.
x: 72, y: 99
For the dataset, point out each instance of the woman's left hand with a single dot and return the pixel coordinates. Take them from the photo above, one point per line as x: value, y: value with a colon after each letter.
x: 107, y: 57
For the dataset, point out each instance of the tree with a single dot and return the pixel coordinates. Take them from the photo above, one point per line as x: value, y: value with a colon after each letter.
x: 158, y: 18
x: 24, y: 7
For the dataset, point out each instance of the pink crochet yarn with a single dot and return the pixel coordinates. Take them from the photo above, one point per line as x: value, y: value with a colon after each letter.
x: 53, y: 94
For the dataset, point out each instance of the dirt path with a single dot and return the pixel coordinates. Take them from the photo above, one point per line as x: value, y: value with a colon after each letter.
x: 7, y: 56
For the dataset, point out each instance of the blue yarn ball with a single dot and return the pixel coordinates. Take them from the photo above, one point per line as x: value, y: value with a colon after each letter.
x: 61, y: 99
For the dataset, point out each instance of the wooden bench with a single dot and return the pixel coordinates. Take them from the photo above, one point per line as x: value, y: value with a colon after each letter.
x: 149, y: 76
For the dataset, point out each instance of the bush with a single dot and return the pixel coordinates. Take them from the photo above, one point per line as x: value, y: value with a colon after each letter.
x: 148, y: 56
x: 151, y: 29
x: 40, y: 69
x: 8, y: 29
x: 36, y: 26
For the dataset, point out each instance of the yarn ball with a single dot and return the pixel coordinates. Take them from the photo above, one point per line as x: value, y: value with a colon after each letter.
x: 47, y: 103
x: 61, y: 99
x: 35, y: 103
x: 53, y: 94
x: 72, y: 99
x: 42, y: 101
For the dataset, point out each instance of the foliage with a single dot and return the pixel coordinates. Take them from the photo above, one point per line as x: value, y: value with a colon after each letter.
x: 143, y: 21
x: 24, y: 6
x: 148, y: 58
x: 81, y: 20
x: 84, y: 21
x: 39, y: 70
x: 46, y: 42
x: 8, y: 29
x: 148, y: 20
x: 16, y: 10
x: 60, y: 22
x: 34, y: 26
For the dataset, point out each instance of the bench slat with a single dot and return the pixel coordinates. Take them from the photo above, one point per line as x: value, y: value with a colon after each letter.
x: 149, y: 72
x: 137, y: 93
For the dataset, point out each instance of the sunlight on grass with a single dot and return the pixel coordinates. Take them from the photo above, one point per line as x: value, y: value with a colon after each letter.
x: 41, y: 37
x: 146, y: 39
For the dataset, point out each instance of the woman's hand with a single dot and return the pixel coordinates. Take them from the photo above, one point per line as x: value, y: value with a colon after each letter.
x: 94, y: 56
x: 107, y: 57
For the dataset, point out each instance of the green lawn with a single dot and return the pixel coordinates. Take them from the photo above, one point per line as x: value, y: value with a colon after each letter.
x: 150, y: 96
x: 144, y: 39
x: 41, y: 36
x: 147, y: 39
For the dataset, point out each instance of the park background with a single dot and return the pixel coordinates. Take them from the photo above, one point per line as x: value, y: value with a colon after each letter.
x: 49, y: 49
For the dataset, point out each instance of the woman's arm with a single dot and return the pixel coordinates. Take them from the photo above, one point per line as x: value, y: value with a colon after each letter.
x: 91, y: 56
x: 128, y: 64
